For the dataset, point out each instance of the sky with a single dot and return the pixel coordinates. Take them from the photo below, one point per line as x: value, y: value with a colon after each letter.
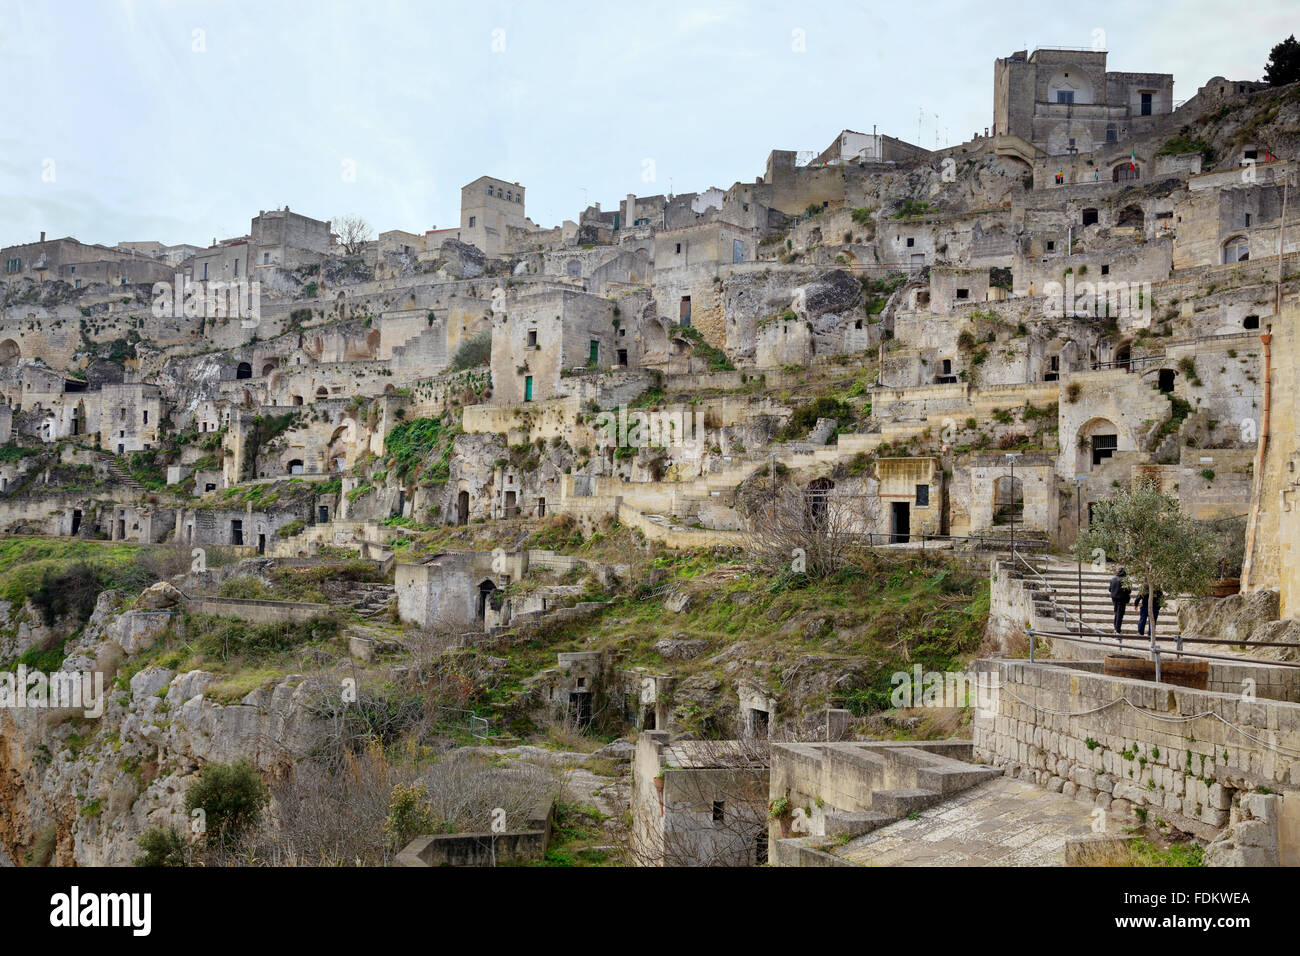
x: 130, y: 120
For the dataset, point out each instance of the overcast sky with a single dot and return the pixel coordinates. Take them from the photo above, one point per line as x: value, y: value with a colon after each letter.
x: 179, y: 121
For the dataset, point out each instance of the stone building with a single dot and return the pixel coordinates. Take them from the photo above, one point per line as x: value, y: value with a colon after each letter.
x: 1064, y: 101
x: 698, y: 802
x: 544, y: 336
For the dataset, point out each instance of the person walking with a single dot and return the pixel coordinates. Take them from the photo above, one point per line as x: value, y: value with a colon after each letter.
x: 1119, y: 595
x: 1141, y: 605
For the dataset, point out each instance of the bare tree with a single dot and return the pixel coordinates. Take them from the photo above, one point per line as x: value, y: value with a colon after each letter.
x: 814, y: 530
x: 353, y: 233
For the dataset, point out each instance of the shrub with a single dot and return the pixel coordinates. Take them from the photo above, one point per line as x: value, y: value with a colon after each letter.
x: 231, y: 797
x: 473, y: 352
x: 162, y: 847
x: 71, y: 591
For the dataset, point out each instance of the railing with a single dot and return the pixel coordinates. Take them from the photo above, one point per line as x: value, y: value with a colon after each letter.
x: 1156, y: 650
x: 1131, y: 364
x: 478, y: 727
x: 1000, y: 542
x: 1051, y: 598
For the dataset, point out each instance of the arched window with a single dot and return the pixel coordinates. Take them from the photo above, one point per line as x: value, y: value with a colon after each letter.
x: 322, y: 392
x: 1236, y: 249
x: 1126, y: 171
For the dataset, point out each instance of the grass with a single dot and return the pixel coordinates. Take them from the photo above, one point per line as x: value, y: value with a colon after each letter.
x: 24, y: 562
x: 577, y: 837
x: 1141, y: 852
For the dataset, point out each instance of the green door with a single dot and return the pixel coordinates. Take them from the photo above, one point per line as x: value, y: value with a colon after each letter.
x: 528, y: 389
x: 594, y: 357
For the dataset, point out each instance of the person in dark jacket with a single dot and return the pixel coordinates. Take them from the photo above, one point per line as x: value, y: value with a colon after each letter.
x: 1119, y: 595
x: 1141, y: 605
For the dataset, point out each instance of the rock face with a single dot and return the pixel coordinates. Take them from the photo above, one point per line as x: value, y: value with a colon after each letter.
x: 1241, y: 619
x: 836, y: 291
x: 159, y: 596
x: 463, y: 260
x: 92, y: 786
x: 1251, y: 837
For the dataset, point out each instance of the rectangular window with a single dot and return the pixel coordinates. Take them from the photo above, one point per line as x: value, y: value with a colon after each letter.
x: 922, y: 496
x: 1146, y: 104
x: 472, y: 221
x: 1065, y: 96
x: 532, y: 338
x: 719, y: 811
x: 1103, y: 447
x: 963, y: 293
x: 911, y: 241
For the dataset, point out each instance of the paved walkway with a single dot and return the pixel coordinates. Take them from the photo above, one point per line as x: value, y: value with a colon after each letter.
x: 1001, y: 822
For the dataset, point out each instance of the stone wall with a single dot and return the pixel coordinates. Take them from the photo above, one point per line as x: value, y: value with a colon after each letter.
x: 1160, y: 755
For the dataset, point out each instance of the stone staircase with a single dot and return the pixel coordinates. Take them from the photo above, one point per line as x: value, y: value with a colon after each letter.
x: 934, y: 778
x: 1055, y: 596
x: 119, y: 475
x: 370, y: 601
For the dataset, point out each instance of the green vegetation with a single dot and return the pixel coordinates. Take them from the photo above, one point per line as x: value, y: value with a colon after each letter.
x: 1283, y: 65
x: 421, y: 448
x: 913, y: 207
x: 805, y: 417
x: 162, y: 847
x: 231, y: 797
x: 473, y: 352
x: 715, y: 358
x: 67, y: 574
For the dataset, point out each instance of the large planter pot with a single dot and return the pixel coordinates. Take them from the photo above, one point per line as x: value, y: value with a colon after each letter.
x: 1225, y: 587
x: 1184, y: 673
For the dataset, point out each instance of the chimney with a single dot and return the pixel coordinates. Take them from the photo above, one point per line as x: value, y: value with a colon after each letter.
x: 42, y: 235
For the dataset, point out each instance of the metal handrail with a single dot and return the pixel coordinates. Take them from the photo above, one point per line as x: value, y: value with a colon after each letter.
x: 1155, y: 650
x: 473, y: 722
x: 1051, y: 598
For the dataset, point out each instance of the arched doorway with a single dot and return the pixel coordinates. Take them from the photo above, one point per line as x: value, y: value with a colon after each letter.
x: 485, y: 589
x: 462, y: 508
x: 1097, y: 441
x: 1126, y: 171
x: 1008, y: 500
x: 243, y: 370
x: 268, y: 368
x: 1165, y: 380
x: 295, y: 466
x: 10, y: 353
x: 1124, y: 357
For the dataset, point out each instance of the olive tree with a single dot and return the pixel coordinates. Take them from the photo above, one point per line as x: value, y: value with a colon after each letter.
x: 1161, y: 547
